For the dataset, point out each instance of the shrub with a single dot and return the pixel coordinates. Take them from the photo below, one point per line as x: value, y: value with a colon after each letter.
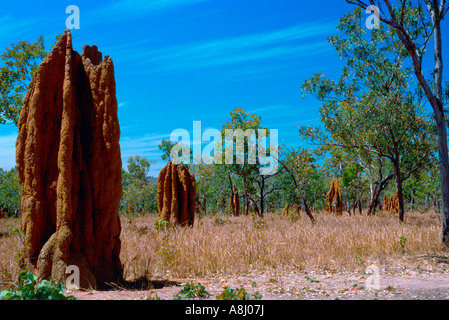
x: 160, y: 224
x: 192, y: 291
x: 237, y: 294
x: 9, y: 193
x: 30, y: 289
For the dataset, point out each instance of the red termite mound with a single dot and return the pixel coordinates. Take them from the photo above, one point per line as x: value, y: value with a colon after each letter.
x: 69, y: 165
x: 234, y: 202
x: 176, y: 195
x: 334, y: 200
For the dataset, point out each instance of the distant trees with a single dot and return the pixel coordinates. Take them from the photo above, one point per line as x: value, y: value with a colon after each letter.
x: 20, y: 62
x: 414, y: 26
x: 139, y: 191
x: 372, y: 111
x: 9, y: 193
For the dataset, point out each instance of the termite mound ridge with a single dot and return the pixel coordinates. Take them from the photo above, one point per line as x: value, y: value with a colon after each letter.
x: 176, y: 195
x: 234, y: 203
x: 391, y: 204
x: 334, y: 200
x: 69, y: 166
x: 294, y: 210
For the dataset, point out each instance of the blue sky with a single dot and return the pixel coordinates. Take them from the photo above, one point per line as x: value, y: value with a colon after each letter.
x: 179, y: 61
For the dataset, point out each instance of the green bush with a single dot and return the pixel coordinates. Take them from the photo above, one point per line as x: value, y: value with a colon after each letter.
x: 160, y: 224
x: 30, y: 289
x: 9, y: 192
x: 238, y: 294
x: 192, y: 291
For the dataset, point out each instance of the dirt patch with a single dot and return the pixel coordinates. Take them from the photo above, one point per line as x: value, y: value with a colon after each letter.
x: 424, y: 278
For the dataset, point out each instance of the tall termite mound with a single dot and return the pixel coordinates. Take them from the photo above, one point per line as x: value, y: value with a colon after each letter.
x: 176, y: 195
x: 69, y: 166
x: 234, y: 203
x: 286, y: 210
x: 391, y: 204
x: 295, y: 210
x: 334, y: 200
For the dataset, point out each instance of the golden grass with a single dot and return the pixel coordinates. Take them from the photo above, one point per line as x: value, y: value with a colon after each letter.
x: 233, y: 245
x: 221, y: 245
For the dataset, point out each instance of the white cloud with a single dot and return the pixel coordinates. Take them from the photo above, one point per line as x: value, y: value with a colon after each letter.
x: 292, y: 43
x: 124, y: 9
x: 11, y: 26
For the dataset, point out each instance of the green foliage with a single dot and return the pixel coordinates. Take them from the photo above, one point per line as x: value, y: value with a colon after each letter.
x: 210, y: 188
x: 229, y: 293
x: 30, y: 289
x: 20, y: 62
x: 240, y: 119
x: 258, y: 222
x: 160, y: 224
x: 192, y: 291
x: 220, y: 220
x: 401, y: 244
x: 373, y: 110
x: 293, y: 216
x: 303, y: 164
x: 139, y: 190
x: 166, y: 147
x: 138, y: 167
x: 310, y: 279
x: 9, y: 192
x: 167, y: 253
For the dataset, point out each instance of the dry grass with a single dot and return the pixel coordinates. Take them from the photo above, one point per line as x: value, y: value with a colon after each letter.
x: 233, y: 245
x: 10, y: 245
x: 219, y: 245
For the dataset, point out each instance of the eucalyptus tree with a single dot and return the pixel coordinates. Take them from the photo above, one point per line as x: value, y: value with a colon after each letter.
x: 242, y: 124
x: 352, y: 168
x: 20, y: 62
x: 373, y: 107
x: 414, y: 24
x: 300, y: 165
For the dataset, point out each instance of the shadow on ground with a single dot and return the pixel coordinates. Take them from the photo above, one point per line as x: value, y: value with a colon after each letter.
x: 143, y: 284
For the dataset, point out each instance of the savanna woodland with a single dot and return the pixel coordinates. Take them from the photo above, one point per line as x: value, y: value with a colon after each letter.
x: 369, y: 186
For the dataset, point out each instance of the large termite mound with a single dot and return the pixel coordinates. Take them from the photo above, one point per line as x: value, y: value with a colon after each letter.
x: 334, y: 200
x: 69, y: 166
x: 176, y: 195
x: 286, y: 210
x: 391, y: 204
x: 295, y: 210
x: 234, y: 203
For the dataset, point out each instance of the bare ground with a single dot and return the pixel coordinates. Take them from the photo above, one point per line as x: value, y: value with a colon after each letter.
x: 414, y: 278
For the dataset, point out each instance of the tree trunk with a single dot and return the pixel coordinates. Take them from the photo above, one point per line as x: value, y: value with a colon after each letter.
x: 382, y: 186
x: 374, y: 196
x: 436, y: 11
x: 262, y: 187
x: 301, y: 194
x: 347, y: 205
x: 397, y: 171
x: 437, y: 106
